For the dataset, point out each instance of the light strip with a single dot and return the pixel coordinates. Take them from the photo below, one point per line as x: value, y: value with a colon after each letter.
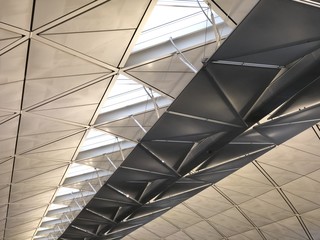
x: 309, y: 2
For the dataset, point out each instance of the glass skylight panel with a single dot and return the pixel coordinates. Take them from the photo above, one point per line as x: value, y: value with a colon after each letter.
x: 64, y: 190
x: 126, y: 92
x: 55, y: 206
x: 47, y: 219
x: 97, y: 138
x: 182, y: 18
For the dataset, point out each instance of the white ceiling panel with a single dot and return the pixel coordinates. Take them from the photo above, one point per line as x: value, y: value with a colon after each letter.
x: 40, y: 90
x: 46, y: 11
x: 4, y: 193
x: 92, y: 19
x: 16, y: 13
x: 178, y: 236
x: 231, y: 222
x: 164, y: 228
x: 46, y: 61
x: 181, y: 217
x: 103, y: 46
x: 12, y: 93
x: 209, y: 203
x: 145, y: 234
x: 13, y: 63
x: 306, y: 142
x: 304, y: 187
x: 292, y: 160
x: 202, y: 230
x: 285, y: 229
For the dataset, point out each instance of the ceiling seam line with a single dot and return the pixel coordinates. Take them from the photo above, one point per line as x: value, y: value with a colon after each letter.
x: 17, y: 133
x: 69, y: 92
x: 126, y: 74
x: 238, y: 208
x: 134, y: 36
x: 71, y: 15
x: 60, y: 183
x: 285, y: 198
x: 74, y: 52
x: 227, y: 15
x: 175, y: 225
x: 206, y: 220
x: 224, y: 97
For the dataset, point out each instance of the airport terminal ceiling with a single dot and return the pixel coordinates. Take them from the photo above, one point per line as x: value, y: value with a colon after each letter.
x: 168, y: 119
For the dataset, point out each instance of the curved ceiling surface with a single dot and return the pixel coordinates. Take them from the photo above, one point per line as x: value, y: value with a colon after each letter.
x: 119, y: 123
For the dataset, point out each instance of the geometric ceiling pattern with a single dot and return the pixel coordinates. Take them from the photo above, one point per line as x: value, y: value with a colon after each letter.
x: 274, y: 197
x: 58, y: 61
x: 79, y: 112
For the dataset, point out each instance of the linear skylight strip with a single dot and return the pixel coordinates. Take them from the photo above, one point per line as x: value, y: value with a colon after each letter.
x: 309, y: 2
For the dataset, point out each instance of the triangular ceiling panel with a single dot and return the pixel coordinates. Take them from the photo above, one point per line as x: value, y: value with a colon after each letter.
x: 49, y: 178
x: 39, y: 90
x: 282, y: 129
x: 9, y: 128
x: 61, y: 150
x: 47, y: 10
x: 128, y: 128
x: 5, y: 35
x: 9, y: 131
x: 10, y: 95
x: 12, y: 64
x: 30, y: 142
x: 75, y: 114
x: 112, y: 9
x: 19, y: 191
x: 7, y: 148
x: 4, y: 196
x: 28, y: 209
x: 16, y: 13
x: 231, y: 222
x: 5, y: 171
x: 301, y: 204
x: 21, y: 175
x: 22, y: 163
x: 36, y: 131
x: 106, y: 46
x: 6, y: 114
x: 280, y: 175
x: 88, y: 95
x: 173, y: 153
x: 6, y: 42
x: 145, y: 161
x: 180, y: 128
x: 283, y: 55
x: 307, y: 97
x: 289, y: 228
x: 242, y: 85
x: 202, y: 98
x: 45, y: 61
x: 263, y: 40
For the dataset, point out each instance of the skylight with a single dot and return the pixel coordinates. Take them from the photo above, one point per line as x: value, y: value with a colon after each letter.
x: 124, y: 93
x: 182, y: 18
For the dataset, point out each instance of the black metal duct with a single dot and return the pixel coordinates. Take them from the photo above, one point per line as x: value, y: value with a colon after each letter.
x: 212, y: 129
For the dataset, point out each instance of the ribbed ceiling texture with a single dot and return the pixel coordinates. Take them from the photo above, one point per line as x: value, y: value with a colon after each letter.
x: 151, y: 120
